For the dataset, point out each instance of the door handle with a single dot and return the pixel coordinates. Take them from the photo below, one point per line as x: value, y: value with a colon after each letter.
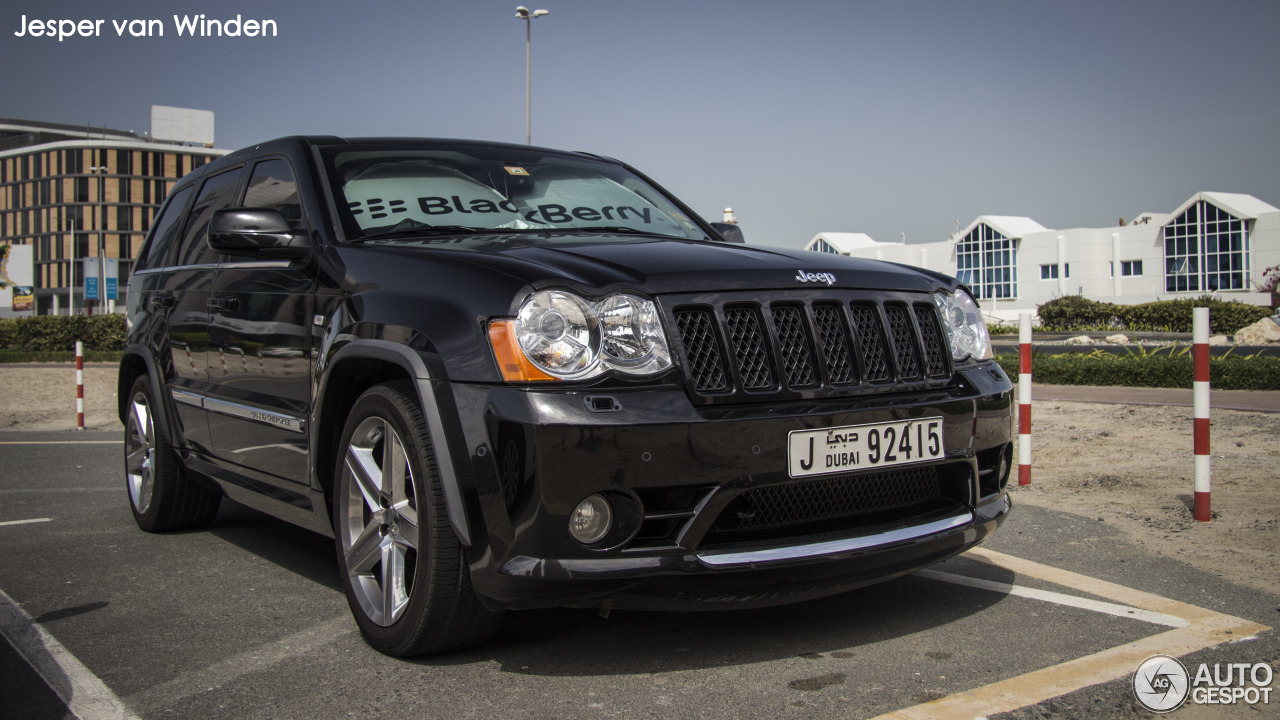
x: 162, y: 300
x: 223, y: 302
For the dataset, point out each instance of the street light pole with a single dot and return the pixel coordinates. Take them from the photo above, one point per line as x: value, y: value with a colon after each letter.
x: 523, y: 13
x: 102, y: 235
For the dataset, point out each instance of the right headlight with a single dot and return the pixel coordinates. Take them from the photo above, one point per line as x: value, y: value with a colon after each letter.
x: 963, y: 323
x: 558, y: 335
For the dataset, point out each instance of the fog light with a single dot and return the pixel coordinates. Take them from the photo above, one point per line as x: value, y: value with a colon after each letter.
x: 591, y: 520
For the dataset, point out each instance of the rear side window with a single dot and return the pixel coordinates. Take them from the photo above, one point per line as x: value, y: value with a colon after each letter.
x: 165, y: 232
x: 272, y: 186
x: 216, y: 194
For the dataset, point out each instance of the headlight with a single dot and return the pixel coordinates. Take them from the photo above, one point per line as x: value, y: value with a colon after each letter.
x: 963, y: 323
x: 633, y: 337
x: 557, y: 335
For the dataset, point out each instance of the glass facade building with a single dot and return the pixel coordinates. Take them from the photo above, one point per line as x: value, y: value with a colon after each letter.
x: 987, y: 262
x: 56, y: 196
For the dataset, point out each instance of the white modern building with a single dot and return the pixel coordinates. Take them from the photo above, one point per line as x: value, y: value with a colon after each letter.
x: 1218, y: 243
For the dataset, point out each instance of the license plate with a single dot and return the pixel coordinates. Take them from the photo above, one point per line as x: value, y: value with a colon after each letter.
x: 860, y: 447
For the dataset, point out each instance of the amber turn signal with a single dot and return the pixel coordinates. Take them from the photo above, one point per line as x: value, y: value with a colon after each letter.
x: 514, y: 365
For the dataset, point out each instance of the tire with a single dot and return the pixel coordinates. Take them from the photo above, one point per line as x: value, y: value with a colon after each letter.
x: 402, y: 567
x: 160, y: 496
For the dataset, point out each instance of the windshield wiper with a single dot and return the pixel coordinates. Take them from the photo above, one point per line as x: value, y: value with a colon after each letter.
x: 621, y: 230
x: 410, y: 227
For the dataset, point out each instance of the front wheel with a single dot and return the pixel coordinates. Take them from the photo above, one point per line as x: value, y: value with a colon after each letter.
x: 160, y: 497
x: 403, y: 568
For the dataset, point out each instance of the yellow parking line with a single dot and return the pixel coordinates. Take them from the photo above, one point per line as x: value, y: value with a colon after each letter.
x: 1206, y: 629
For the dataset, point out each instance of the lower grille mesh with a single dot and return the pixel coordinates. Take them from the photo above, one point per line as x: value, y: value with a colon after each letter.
x: 814, y: 501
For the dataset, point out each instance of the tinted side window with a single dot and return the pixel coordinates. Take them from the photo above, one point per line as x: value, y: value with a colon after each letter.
x: 273, y: 186
x: 165, y: 231
x: 215, y: 194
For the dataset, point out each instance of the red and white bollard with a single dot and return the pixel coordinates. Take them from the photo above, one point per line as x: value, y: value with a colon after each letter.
x: 1200, y: 354
x: 79, y: 385
x: 1024, y: 399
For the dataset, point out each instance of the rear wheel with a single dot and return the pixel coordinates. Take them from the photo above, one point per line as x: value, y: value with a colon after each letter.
x: 403, y: 568
x: 160, y: 497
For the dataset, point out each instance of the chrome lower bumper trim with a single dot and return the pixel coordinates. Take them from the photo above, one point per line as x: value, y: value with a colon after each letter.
x: 834, y: 547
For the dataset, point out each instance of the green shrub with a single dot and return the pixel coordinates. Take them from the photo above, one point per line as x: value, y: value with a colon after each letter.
x: 1175, y: 370
x: 59, y: 332
x: 6, y: 332
x: 1075, y: 313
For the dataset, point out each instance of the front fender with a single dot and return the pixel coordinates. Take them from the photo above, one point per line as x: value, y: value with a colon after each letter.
x: 346, y: 347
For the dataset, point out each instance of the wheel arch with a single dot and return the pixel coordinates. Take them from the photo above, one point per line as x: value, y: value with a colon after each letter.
x: 355, y: 367
x: 134, y: 363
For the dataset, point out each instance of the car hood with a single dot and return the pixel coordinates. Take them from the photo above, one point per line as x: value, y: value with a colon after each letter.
x: 658, y: 266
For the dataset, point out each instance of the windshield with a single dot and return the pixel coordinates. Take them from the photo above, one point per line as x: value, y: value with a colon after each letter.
x: 478, y: 189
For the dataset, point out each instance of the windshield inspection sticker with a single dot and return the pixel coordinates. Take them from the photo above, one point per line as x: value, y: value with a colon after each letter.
x: 515, y: 170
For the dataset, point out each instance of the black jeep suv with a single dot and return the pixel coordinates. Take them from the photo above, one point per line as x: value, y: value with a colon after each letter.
x: 510, y: 377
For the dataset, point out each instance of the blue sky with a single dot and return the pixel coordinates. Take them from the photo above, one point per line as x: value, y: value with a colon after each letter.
x: 806, y: 116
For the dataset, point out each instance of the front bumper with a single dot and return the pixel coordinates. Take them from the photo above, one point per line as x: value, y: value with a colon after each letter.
x: 686, y: 484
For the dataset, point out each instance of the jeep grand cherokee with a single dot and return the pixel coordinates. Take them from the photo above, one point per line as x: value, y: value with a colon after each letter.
x: 507, y: 377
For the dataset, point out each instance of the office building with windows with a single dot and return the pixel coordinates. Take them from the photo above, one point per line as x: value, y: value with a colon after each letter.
x: 1214, y: 243
x: 73, y: 192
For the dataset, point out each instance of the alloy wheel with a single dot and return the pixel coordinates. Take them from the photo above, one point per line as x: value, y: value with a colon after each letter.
x: 379, y: 520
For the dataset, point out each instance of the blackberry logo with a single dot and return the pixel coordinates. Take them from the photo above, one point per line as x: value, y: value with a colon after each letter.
x: 376, y: 208
x: 1161, y: 683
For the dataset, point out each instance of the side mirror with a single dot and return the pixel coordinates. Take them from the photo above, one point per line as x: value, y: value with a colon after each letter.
x: 729, y: 232
x: 255, y: 232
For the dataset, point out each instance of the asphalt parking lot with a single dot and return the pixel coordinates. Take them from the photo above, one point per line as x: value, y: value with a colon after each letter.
x: 245, y: 620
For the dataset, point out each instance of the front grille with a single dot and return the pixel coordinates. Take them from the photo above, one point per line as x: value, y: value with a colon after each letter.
x: 870, y: 333
x: 702, y: 350
x: 833, y: 335
x: 904, y: 341
x: 747, y: 340
x: 829, y: 504
x: 793, y: 341
x: 749, y: 350
x: 935, y: 347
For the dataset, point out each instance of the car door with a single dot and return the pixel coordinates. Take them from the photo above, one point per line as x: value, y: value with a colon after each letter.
x: 152, y: 300
x: 261, y: 339
x: 185, y: 287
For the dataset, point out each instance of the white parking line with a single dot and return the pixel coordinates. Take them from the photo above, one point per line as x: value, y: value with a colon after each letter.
x: 61, y: 442
x: 1202, y: 629
x: 1124, y: 611
x: 86, y: 696
x: 304, y: 643
x: 25, y: 522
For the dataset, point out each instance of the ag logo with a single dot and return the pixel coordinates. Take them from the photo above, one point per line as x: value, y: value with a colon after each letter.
x: 1161, y: 683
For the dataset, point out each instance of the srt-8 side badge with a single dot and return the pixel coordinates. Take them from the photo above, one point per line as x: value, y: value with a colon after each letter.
x: 805, y: 277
